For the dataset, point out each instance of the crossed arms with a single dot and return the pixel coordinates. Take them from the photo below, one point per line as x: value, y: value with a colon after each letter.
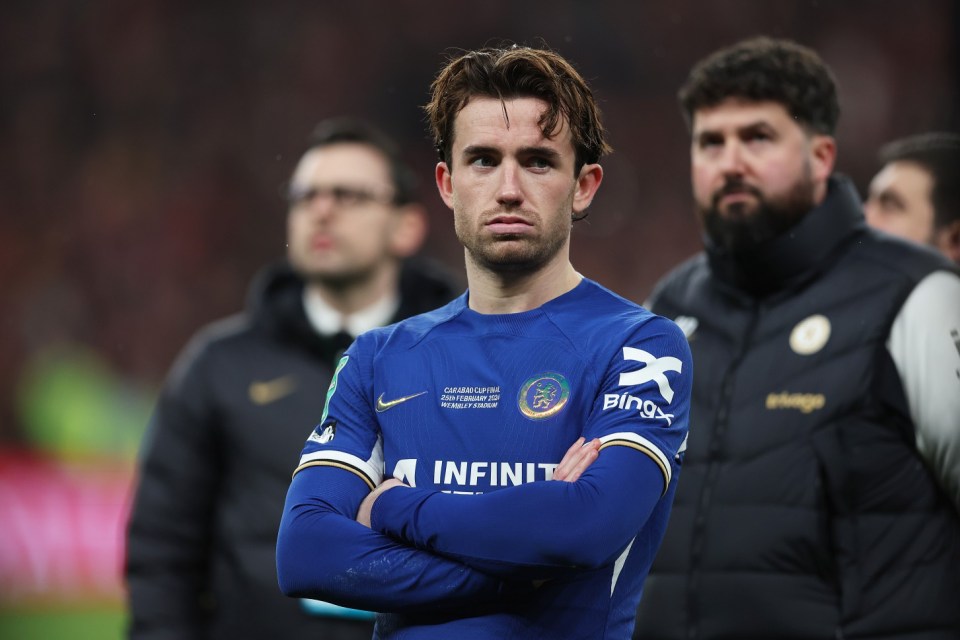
x: 429, y: 549
x: 530, y: 532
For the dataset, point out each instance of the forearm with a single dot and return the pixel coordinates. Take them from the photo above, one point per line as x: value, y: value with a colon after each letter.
x: 533, y: 530
x: 323, y: 553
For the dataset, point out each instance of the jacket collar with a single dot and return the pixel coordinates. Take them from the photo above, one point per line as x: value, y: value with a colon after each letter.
x: 798, y: 254
x: 275, y: 302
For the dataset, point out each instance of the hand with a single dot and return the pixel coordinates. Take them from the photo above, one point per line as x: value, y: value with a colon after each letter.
x: 576, y: 460
x: 366, y: 507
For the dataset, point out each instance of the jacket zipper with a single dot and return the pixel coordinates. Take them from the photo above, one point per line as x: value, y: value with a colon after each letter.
x: 721, y: 419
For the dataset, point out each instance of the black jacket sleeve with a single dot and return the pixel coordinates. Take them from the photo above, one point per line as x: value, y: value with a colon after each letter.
x: 171, y: 523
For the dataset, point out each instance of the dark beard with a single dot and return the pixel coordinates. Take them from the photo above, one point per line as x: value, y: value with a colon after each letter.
x: 745, y: 226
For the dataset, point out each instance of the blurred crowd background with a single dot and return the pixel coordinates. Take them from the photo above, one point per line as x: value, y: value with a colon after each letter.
x: 145, y: 145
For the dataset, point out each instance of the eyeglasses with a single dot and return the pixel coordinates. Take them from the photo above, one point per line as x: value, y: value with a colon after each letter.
x: 342, y: 196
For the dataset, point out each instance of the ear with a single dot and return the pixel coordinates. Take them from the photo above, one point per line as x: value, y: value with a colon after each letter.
x: 444, y: 179
x: 409, y: 230
x: 947, y: 240
x: 823, y: 152
x: 591, y: 175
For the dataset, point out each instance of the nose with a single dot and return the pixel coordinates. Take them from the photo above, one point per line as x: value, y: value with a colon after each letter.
x: 732, y: 159
x: 320, y: 205
x: 509, y: 190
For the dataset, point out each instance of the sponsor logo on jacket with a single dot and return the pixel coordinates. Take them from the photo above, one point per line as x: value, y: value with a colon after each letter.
x: 802, y: 402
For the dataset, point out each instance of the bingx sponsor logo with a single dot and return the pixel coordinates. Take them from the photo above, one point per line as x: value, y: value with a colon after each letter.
x: 654, y: 370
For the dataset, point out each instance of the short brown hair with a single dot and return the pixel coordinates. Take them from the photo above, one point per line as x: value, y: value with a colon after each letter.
x: 512, y: 72
x: 938, y: 153
x: 349, y: 129
x: 761, y: 69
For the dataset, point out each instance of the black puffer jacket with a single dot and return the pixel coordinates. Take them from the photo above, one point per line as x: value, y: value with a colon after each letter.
x: 226, y: 435
x: 804, y: 509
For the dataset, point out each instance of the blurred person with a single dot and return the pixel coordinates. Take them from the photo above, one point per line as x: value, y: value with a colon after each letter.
x: 916, y: 193
x: 246, y: 391
x: 472, y: 407
x: 821, y: 484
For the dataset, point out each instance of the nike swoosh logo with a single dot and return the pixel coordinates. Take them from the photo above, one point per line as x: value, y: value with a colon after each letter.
x: 383, y: 406
x: 265, y: 392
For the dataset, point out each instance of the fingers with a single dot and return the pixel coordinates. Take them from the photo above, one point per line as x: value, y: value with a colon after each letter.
x: 560, y: 473
x: 563, y: 469
x: 389, y: 483
x: 587, y: 454
x: 366, y: 507
x: 577, y: 459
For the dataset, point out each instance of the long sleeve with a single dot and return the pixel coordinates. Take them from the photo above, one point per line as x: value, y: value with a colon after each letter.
x: 925, y: 346
x: 323, y: 553
x: 531, y: 530
x: 169, y: 531
x: 475, y: 412
x: 641, y: 417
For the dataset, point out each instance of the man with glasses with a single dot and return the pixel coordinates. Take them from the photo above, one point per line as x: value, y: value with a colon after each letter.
x: 247, y: 390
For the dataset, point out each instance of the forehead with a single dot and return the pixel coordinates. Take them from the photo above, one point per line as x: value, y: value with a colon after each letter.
x: 512, y: 123
x: 903, y: 175
x: 350, y: 163
x: 737, y: 113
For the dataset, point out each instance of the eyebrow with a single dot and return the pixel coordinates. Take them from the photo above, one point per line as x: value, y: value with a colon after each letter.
x: 747, y: 128
x: 546, y: 152
x: 479, y: 150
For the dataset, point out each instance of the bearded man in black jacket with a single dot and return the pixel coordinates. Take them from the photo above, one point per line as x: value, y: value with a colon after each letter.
x: 247, y: 390
x: 821, y: 484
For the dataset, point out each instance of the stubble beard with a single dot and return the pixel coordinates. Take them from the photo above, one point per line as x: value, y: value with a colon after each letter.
x: 334, y: 278
x: 744, y: 225
x: 515, y: 253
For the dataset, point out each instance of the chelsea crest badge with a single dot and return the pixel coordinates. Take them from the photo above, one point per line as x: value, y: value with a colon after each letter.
x: 543, y: 395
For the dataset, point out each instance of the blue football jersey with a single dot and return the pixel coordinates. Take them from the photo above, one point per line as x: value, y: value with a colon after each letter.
x: 474, y: 412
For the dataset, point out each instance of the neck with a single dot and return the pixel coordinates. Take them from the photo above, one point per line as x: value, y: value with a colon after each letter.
x: 349, y: 297
x: 493, y: 292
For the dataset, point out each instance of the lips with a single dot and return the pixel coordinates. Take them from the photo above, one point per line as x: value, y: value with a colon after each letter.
x: 508, y: 224
x: 321, y: 242
x: 736, y: 196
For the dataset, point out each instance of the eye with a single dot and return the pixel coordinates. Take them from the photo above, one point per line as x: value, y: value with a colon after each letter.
x: 538, y: 162
x: 757, y: 136
x: 350, y: 197
x: 891, y: 203
x: 710, y: 142
x: 300, y: 195
x: 483, y: 161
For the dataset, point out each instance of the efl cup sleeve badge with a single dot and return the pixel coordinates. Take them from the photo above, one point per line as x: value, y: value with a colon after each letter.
x: 325, y: 432
x: 544, y: 395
